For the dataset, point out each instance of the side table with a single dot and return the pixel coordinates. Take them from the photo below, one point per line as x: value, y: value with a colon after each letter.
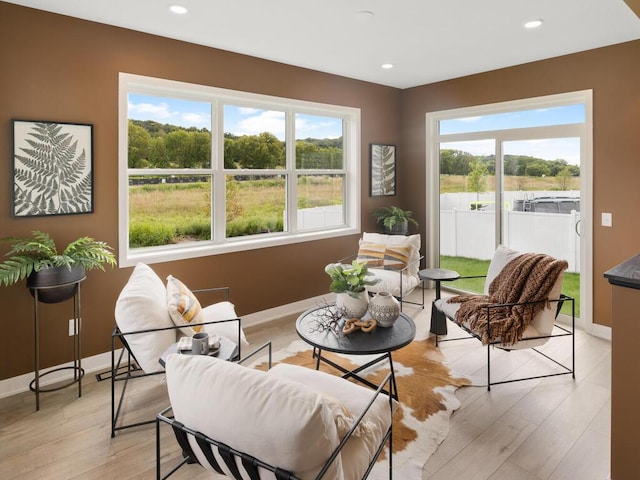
x: 438, y: 275
x: 78, y: 371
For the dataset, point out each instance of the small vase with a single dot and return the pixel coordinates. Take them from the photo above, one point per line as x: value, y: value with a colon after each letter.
x: 384, y: 309
x: 353, y: 307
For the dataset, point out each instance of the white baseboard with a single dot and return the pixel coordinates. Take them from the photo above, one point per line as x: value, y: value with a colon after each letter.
x: 102, y: 361
x: 275, y: 313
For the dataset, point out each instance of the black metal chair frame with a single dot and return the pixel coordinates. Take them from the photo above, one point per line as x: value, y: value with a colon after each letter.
x: 400, y: 298
x: 249, y: 463
x: 130, y: 369
x: 498, y: 344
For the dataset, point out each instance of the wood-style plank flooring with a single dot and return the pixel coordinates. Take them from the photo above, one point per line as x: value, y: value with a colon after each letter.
x: 549, y: 429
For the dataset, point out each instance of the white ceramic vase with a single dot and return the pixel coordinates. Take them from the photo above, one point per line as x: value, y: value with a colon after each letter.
x: 384, y: 309
x: 353, y: 307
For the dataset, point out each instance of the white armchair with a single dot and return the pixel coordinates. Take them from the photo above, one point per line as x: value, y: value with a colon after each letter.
x: 395, y: 261
x: 150, y: 317
x: 289, y: 422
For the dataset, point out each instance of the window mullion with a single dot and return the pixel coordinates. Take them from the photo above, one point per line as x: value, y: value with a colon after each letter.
x: 292, y: 177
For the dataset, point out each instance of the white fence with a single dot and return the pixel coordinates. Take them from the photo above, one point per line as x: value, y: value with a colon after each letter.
x: 471, y: 233
x: 319, y: 217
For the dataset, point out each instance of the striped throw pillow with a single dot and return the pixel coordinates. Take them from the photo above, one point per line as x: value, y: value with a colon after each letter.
x: 389, y: 257
x: 184, y: 307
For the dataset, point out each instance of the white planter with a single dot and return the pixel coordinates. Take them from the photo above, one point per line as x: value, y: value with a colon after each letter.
x: 353, y: 307
x: 384, y: 309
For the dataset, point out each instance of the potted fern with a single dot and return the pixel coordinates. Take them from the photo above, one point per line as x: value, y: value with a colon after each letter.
x: 395, y: 221
x: 349, y: 282
x: 36, y: 258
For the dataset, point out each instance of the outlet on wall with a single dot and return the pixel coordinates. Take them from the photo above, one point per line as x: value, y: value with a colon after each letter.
x: 71, y: 326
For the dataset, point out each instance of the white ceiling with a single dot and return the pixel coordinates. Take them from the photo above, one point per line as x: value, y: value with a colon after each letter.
x: 425, y: 40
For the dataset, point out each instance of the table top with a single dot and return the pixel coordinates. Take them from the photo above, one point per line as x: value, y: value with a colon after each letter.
x: 379, y: 340
x: 441, y: 274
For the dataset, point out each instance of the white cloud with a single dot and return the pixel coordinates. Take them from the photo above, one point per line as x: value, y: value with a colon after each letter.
x: 149, y: 110
x: 267, y: 121
x: 197, y: 119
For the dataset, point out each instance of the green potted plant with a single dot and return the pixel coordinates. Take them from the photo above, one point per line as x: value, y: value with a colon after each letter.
x: 350, y: 282
x: 395, y: 221
x: 36, y: 258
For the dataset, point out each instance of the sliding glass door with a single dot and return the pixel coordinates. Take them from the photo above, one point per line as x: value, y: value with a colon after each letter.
x: 514, y: 175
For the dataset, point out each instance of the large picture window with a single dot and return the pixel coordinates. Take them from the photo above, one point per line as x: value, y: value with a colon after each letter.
x: 205, y: 170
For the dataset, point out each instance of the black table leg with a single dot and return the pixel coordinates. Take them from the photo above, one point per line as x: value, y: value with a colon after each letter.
x: 438, y: 320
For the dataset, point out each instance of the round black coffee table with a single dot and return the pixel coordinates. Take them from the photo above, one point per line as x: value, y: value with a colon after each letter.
x: 381, y: 341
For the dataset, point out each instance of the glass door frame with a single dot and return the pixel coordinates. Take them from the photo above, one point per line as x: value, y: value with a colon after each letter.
x: 584, y: 131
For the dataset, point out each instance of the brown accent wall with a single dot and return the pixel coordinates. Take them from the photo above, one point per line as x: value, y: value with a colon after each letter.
x: 634, y: 5
x: 64, y: 69
x: 612, y: 73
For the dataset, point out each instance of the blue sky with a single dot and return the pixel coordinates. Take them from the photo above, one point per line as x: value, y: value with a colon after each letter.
x: 238, y: 120
x: 549, y: 149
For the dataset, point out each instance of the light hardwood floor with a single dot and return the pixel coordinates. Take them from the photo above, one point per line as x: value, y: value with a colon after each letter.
x: 552, y: 429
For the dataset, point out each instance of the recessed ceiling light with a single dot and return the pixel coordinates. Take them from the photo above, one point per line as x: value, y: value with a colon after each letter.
x: 533, y: 24
x: 178, y: 9
x: 387, y: 66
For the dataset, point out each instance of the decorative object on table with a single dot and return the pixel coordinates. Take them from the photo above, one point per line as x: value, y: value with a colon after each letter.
x: 394, y: 220
x: 52, y: 168
x: 384, y: 308
x: 200, y: 344
x: 329, y: 318
x: 349, y: 282
x: 383, y: 170
x: 353, y: 324
x: 36, y: 258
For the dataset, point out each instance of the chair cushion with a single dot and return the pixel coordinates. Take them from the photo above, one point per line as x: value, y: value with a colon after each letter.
x: 223, y: 311
x: 390, y: 282
x: 184, y: 308
x: 275, y: 419
x: 393, y: 241
x: 359, y: 450
x: 142, y: 305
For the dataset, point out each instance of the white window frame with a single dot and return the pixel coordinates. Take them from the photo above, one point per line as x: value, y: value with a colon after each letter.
x: 130, y: 83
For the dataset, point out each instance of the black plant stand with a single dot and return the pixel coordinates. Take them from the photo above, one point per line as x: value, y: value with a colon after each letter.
x: 78, y: 372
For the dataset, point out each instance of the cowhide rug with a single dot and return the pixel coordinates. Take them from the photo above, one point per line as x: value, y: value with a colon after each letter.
x: 426, y: 392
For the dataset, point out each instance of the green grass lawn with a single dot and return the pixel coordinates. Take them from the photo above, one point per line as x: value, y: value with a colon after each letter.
x: 471, y: 267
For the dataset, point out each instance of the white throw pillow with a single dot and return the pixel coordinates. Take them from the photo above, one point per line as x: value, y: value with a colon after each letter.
x: 223, y: 311
x: 501, y: 257
x: 274, y: 419
x: 142, y: 305
x: 360, y: 449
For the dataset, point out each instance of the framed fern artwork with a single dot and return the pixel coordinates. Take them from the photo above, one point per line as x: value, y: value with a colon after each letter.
x: 383, y: 170
x: 52, y: 168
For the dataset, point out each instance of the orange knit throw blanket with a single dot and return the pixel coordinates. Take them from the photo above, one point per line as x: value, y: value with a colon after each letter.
x: 527, y: 278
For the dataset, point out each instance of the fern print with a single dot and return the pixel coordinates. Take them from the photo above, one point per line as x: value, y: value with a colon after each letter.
x: 383, y: 170
x: 52, y: 169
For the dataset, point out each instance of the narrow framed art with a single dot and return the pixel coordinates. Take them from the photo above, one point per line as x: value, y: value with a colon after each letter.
x: 52, y: 168
x: 383, y: 170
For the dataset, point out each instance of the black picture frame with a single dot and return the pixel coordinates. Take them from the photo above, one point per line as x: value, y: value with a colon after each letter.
x: 383, y: 170
x: 52, y: 168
